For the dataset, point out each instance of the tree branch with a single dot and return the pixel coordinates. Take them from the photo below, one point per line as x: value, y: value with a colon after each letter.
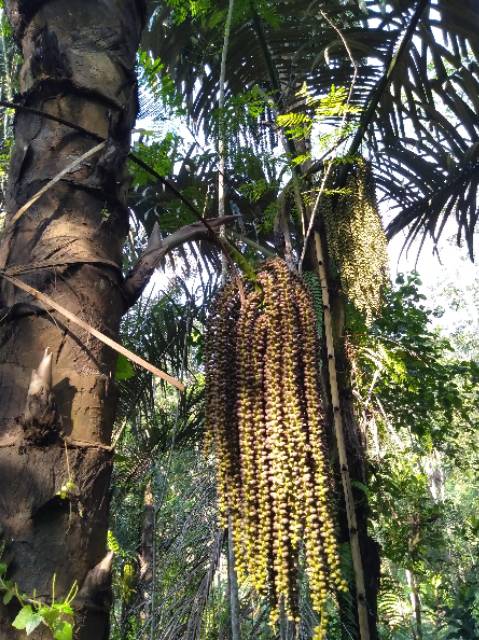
x: 158, y: 247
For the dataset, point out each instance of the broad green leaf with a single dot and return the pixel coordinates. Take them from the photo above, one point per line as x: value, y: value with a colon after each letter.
x: 124, y: 369
x: 8, y: 596
x: 63, y: 608
x: 49, y: 615
x: 64, y: 631
x: 27, y: 619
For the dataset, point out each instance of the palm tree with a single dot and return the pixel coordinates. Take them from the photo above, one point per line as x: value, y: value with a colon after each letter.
x: 69, y: 245
x: 411, y: 70
x: 416, y: 81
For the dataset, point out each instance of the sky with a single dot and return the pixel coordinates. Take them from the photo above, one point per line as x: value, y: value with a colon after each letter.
x: 450, y: 281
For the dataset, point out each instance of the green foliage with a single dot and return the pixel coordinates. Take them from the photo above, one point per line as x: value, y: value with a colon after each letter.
x: 160, y: 155
x: 252, y: 102
x: 421, y: 386
x: 124, y: 369
x: 154, y: 78
x: 425, y: 166
x: 409, y: 517
x: 112, y: 543
x: 270, y: 215
x: 297, y: 126
x: 183, y: 491
x: 67, y: 490
x: 5, y: 153
x: 254, y: 191
x: 32, y: 616
x: 6, y: 586
x: 335, y: 104
x: 418, y: 403
x: 240, y: 113
x: 194, y: 9
x: 56, y: 616
x: 212, y: 16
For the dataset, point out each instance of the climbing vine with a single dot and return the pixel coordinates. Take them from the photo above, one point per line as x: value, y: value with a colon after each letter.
x: 56, y: 615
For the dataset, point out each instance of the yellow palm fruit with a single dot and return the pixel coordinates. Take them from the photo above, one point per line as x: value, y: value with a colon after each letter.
x: 265, y: 418
x: 356, y: 240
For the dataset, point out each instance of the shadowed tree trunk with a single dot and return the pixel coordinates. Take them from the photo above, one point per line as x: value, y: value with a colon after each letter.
x: 79, y: 65
x: 367, y: 550
x: 357, y: 472
x: 147, y: 554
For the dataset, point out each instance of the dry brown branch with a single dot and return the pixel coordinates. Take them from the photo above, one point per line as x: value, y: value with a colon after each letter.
x: 76, y: 163
x: 158, y: 247
x: 49, y: 302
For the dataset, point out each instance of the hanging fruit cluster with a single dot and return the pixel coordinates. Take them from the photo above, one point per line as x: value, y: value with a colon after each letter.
x: 265, y: 419
x: 357, y: 242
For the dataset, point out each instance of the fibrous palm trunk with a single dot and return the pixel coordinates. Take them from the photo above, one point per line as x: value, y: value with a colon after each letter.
x: 79, y: 58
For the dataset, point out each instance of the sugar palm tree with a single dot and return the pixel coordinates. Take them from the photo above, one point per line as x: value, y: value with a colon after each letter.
x: 416, y: 81
x: 417, y: 84
x: 412, y: 73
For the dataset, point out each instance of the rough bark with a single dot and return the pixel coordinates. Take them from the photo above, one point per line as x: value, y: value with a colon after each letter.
x: 79, y: 64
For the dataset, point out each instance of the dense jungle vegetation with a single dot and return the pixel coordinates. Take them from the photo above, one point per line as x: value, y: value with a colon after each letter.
x: 224, y: 413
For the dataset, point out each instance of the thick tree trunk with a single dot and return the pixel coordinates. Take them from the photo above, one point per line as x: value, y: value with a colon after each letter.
x: 79, y: 65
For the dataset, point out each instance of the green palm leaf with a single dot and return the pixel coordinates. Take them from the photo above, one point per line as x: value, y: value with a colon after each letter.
x: 417, y: 83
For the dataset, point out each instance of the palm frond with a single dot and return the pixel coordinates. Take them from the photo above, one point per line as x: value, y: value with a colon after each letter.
x: 417, y: 83
x: 424, y: 135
